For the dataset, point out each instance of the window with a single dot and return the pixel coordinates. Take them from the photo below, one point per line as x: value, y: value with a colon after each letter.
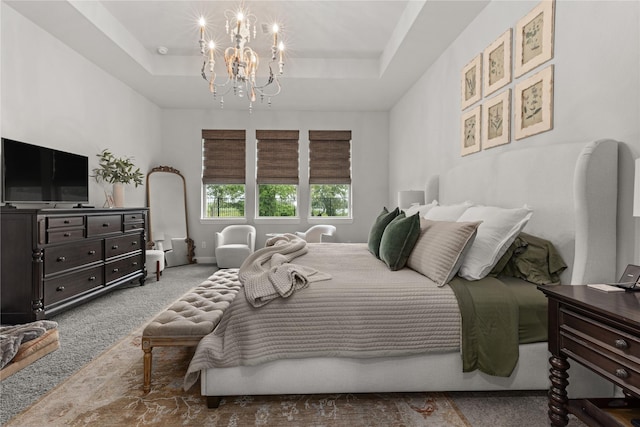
x: 330, y: 173
x: 223, y: 173
x: 277, y: 174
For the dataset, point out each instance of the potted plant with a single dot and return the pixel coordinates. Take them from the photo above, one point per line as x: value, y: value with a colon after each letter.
x: 117, y: 171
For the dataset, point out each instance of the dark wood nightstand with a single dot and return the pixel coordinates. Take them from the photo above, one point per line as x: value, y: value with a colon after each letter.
x: 600, y: 330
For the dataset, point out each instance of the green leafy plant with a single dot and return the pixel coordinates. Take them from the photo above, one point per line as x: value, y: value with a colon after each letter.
x: 117, y: 169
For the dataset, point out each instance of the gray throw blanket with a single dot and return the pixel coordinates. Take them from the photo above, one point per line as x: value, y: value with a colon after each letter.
x: 11, y: 337
x: 268, y: 273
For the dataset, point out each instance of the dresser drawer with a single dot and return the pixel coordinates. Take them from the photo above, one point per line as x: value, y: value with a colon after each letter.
x: 64, y: 287
x: 60, y: 258
x: 114, y: 246
x: 133, y: 217
x: 69, y: 221
x: 133, y: 226
x: 609, y: 337
x: 122, y: 267
x: 616, y: 368
x: 103, y: 224
x: 68, y: 235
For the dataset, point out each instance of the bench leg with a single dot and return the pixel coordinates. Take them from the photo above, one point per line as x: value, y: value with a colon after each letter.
x: 213, y: 401
x: 157, y: 271
x: 147, y: 359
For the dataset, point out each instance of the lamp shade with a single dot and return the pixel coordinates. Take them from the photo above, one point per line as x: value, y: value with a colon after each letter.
x: 406, y: 198
x: 636, y: 190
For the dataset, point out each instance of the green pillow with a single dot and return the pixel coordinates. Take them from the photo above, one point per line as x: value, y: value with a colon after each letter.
x: 375, y: 234
x: 398, y: 240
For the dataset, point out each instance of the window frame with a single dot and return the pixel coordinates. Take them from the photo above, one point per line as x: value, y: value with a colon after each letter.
x: 276, y: 160
x: 220, y: 139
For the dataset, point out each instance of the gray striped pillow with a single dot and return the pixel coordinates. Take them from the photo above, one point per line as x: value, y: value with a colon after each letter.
x: 440, y: 248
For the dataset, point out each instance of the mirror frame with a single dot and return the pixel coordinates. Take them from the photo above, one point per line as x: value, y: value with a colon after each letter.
x: 190, y: 243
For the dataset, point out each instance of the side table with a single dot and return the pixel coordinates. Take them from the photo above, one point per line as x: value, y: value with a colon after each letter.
x: 601, y: 331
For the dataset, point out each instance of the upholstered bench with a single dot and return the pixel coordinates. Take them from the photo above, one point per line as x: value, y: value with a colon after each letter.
x: 189, y: 319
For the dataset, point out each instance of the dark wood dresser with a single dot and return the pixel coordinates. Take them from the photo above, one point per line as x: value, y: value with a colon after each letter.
x: 600, y: 330
x: 55, y: 259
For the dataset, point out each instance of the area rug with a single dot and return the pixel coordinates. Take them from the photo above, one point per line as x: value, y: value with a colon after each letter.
x: 108, y: 392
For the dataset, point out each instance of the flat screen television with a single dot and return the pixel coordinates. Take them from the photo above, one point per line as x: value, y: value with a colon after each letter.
x: 34, y: 174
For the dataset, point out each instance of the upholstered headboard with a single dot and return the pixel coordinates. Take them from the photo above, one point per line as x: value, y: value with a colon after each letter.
x: 572, y: 188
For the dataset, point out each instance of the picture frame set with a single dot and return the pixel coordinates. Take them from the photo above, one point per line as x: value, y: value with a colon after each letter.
x: 533, y: 97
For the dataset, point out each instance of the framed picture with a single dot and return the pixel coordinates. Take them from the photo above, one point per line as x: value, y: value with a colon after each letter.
x: 534, y: 38
x: 496, y: 120
x: 470, y: 131
x: 471, y: 82
x: 496, y: 64
x: 534, y: 104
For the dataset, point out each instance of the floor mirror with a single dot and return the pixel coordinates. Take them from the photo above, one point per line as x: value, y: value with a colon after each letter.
x: 168, y: 224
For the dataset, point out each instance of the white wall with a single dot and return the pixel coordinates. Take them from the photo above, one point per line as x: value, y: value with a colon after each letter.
x: 596, y: 95
x: 54, y: 97
x: 182, y: 149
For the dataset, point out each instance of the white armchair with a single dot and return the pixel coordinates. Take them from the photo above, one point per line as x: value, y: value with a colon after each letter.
x: 234, y: 244
x: 315, y: 233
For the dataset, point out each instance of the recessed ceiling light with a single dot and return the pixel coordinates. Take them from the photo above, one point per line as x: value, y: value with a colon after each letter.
x: 162, y: 50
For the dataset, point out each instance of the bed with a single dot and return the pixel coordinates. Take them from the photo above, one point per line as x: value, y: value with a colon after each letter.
x: 567, y: 202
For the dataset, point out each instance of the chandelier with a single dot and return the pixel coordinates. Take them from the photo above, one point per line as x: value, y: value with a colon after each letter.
x: 241, y: 61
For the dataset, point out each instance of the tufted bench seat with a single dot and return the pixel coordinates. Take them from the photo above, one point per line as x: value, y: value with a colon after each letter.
x: 189, y: 319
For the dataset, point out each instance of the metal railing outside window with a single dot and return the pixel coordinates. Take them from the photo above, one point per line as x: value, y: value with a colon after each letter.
x: 224, y: 207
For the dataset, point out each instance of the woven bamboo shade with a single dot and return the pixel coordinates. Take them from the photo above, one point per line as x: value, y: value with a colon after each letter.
x: 223, y: 156
x: 330, y: 157
x: 277, y: 156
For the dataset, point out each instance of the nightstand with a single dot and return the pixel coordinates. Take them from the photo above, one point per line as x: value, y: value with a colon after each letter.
x: 601, y: 331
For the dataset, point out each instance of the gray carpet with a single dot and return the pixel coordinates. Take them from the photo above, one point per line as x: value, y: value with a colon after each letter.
x: 88, y: 330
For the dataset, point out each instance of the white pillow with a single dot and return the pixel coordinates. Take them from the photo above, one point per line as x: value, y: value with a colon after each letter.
x: 498, y: 230
x: 419, y: 209
x: 447, y: 212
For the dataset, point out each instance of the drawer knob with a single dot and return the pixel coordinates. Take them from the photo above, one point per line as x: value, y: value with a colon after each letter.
x: 92, y: 252
x: 621, y: 344
x: 134, y: 263
x: 67, y: 234
x: 61, y: 259
x: 115, y: 270
x: 134, y: 243
x: 621, y: 373
x: 114, y: 247
x: 92, y: 278
x: 105, y: 224
x: 60, y: 288
x: 66, y: 221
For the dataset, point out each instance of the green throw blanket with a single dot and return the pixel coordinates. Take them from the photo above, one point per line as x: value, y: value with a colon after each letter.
x: 489, y: 325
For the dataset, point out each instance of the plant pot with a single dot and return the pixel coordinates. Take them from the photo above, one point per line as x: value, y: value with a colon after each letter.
x: 118, y: 194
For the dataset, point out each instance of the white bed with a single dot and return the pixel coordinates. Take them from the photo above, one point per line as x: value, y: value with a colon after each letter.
x: 567, y: 198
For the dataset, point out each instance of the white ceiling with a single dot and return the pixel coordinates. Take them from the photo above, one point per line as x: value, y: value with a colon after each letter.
x: 340, y: 55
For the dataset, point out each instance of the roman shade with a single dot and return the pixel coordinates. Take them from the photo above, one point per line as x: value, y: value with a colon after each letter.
x: 329, y: 157
x: 223, y: 156
x: 277, y: 156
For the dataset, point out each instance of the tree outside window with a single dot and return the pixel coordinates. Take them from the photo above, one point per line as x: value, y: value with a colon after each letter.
x: 330, y: 200
x: 277, y: 200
